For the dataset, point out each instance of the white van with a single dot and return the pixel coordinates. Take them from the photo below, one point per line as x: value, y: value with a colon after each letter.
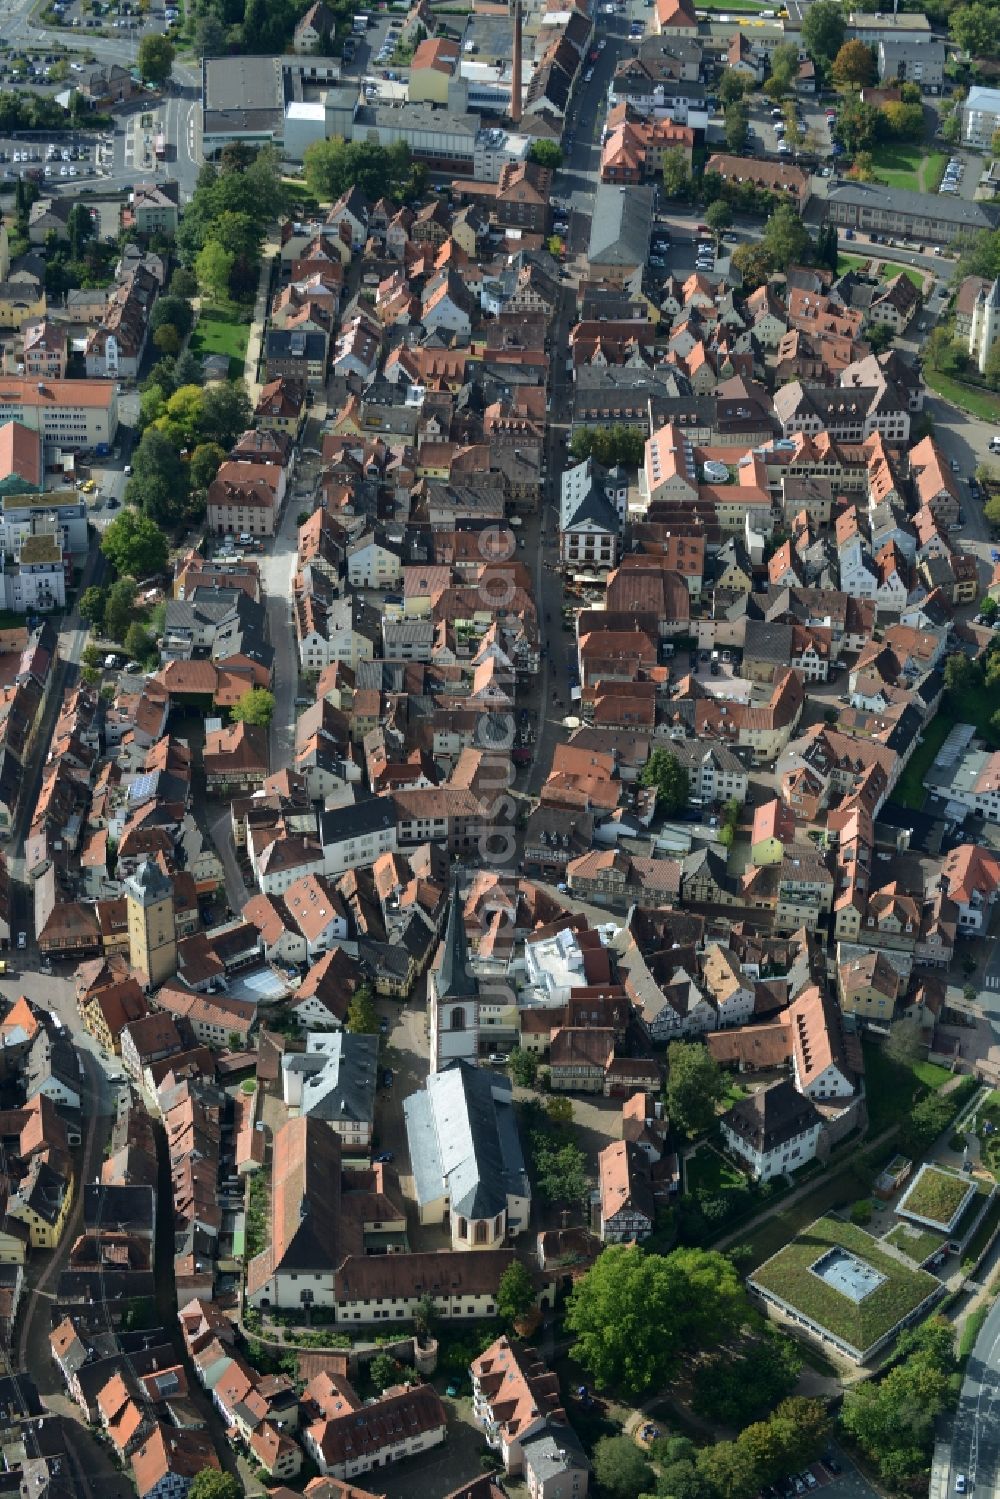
x: 995, y: 443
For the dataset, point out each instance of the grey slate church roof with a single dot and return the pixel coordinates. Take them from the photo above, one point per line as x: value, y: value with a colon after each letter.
x: 463, y: 1141
x: 454, y: 978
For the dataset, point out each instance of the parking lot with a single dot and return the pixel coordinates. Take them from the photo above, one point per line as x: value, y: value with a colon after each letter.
x: 112, y: 20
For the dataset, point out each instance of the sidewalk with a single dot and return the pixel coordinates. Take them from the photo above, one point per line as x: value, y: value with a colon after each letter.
x: 255, y: 343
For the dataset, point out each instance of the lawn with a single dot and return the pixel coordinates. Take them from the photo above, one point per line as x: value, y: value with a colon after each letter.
x: 908, y: 165
x: 918, y: 1244
x: 838, y: 1189
x: 910, y: 788
x: 977, y: 1244
x: 887, y: 268
x: 790, y: 1276
x: 222, y: 330
x: 892, y: 1087
x: 968, y: 398
x: 708, y: 1171
x: 935, y: 1195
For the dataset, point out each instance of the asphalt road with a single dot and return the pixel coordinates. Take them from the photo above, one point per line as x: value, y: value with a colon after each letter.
x: 975, y: 1443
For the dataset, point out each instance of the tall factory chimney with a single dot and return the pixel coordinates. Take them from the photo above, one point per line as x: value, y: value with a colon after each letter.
x: 515, y: 78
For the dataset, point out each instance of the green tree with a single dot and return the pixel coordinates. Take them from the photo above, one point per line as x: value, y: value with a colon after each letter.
x: 362, y: 1016
x: 853, y: 66
x: 173, y: 309
x: 987, y: 608
x: 546, y: 154
x: 904, y: 122
x: 254, y: 707
x: 664, y: 772
x: 118, y: 613
x: 609, y: 445
x: 676, y: 173
x: 93, y: 603
x: 733, y: 87
x: 425, y: 1315
x: 857, y: 126
x: 718, y: 217
x: 748, y: 1381
x: 559, y: 1109
x: 515, y: 1293
x: 183, y: 285
x: 961, y: 675
x: 880, y: 337
x: 523, y: 1067
x: 208, y: 1484
x: 134, y: 544
x: 79, y: 229
x: 823, y: 30
x: 167, y: 339
x: 991, y: 510
x: 225, y: 412
x: 633, y: 1314
x: 682, y: 1479
x: 729, y: 1468
x: 694, y: 1084
x: 138, y: 641
x: 753, y: 263
x: 156, y: 57
x: 213, y: 268
x: 204, y: 463
x: 786, y: 238
x: 735, y: 121
x: 159, y: 482
x: 620, y: 1468
x: 892, y: 1419
x: 384, y: 1371
x: 784, y: 70
x: 560, y: 1171
x: 974, y: 28
x: 188, y: 369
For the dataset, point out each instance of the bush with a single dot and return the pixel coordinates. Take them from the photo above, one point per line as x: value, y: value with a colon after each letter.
x: 958, y: 1141
x: 861, y: 1211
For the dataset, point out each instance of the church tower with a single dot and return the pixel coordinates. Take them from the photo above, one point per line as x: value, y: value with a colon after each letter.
x: 453, y: 995
x: 152, y: 934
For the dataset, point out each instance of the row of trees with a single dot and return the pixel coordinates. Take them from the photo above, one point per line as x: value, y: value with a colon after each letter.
x: 892, y: 1419
x: 222, y: 231
x: 333, y: 166
x: 609, y: 445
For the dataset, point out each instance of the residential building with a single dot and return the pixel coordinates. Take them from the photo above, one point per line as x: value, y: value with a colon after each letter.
x: 772, y: 1132
x: 628, y: 1212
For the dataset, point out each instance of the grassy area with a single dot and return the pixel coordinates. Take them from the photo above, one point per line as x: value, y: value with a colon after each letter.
x: 971, y: 1330
x: 891, y: 1087
x: 910, y: 788
x: 222, y: 330
x: 984, y: 1233
x: 909, y: 165
x: 917, y: 1243
x: 970, y: 398
x: 708, y: 1171
x: 789, y: 1274
x: 887, y: 268
x: 936, y: 1195
x: 837, y: 1189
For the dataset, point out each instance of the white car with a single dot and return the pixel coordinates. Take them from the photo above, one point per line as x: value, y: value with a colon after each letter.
x: 64, y: 171
x: 22, y: 940
x: 961, y: 1484
x: 588, y: 75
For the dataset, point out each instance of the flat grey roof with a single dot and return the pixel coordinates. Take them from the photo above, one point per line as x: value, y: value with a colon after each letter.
x: 243, y: 83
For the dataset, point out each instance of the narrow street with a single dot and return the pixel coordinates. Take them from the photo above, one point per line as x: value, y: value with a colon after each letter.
x: 43, y: 1273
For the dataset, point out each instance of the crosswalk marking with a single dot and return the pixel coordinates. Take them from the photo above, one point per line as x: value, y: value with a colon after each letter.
x: 993, y: 981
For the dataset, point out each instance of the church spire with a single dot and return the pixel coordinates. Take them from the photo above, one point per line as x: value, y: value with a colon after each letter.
x: 455, y: 979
